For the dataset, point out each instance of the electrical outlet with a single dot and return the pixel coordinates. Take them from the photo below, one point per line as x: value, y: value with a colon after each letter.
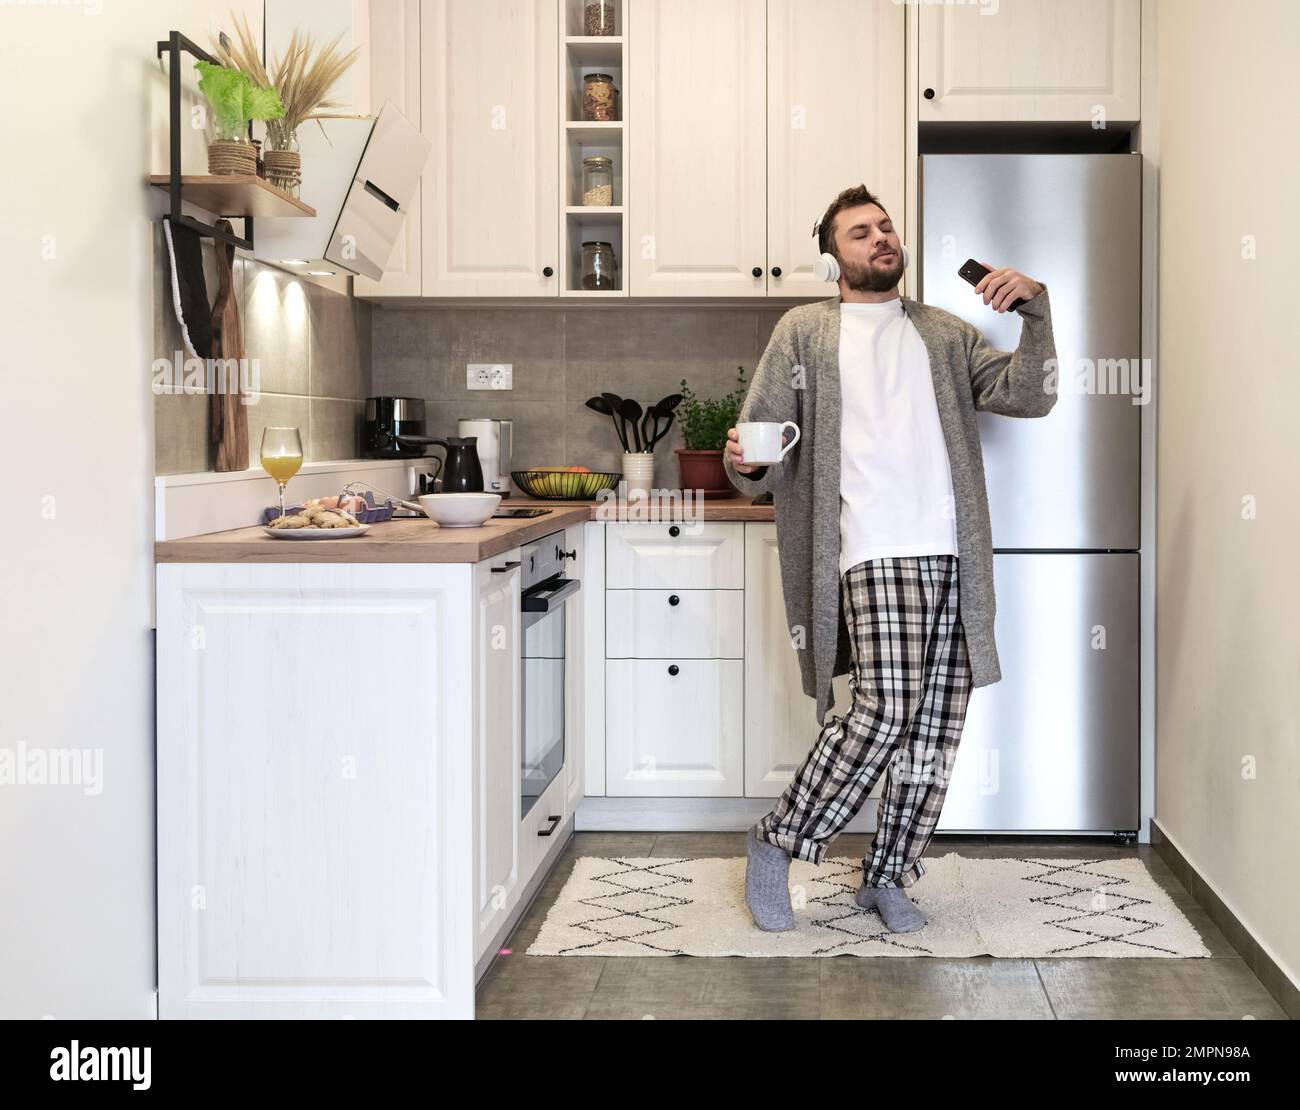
x: 489, y: 375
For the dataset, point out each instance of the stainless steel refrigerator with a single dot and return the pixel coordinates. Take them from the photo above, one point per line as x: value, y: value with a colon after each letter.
x: 1053, y: 746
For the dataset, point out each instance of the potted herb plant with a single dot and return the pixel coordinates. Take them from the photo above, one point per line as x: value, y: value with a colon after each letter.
x: 704, y: 431
x: 234, y: 101
x: 303, y: 76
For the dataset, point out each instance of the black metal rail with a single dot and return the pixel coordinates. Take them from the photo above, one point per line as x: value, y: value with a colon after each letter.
x: 173, y: 45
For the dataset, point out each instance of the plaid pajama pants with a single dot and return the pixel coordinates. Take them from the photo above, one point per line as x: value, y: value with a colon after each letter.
x: 910, y: 685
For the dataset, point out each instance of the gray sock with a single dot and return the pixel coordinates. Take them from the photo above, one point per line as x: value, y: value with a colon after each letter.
x: 767, y: 884
x: 897, y: 910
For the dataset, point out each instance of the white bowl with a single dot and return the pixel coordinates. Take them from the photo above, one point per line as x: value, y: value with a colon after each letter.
x: 459, y: 510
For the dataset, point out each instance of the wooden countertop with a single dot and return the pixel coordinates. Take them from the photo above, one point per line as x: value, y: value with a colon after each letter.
x: 412, y: 540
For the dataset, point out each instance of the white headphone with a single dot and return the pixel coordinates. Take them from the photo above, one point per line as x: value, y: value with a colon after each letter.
x: 827, y: 267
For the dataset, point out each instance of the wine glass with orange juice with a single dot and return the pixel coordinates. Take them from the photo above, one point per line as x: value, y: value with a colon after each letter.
x: 281, y: 456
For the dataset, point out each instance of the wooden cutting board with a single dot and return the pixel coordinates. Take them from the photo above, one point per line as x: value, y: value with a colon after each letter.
x: 228, y: 416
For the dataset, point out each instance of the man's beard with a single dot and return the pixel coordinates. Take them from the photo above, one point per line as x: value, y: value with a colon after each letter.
x: 873, y: 278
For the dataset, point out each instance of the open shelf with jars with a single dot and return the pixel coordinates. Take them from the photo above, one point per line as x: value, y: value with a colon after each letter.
x: 593, y: 69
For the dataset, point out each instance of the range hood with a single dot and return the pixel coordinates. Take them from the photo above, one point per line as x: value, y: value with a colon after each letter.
x: 360, y: 175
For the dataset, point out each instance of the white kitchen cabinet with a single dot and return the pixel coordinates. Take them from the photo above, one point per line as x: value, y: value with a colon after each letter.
x: 315, y: 772
x: 339, y: 762
x: 701, y: 555
x: 750, y: 117
x: 490, y: 203
x: 593, y: 662
x: 674, y: 727
x: 697, y: 200
x: 1030, y: 60
x: 835, y: 117
x: 692, y: 624
x: 575, y: 694
x: 673, y: 684
x: 744, y: 118
x: 780, y: 719
x: 542, y: 825
x: 499, y: 870
x: 394, y: 45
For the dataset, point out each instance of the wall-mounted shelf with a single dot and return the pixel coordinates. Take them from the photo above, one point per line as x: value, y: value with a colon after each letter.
x: 243, y: 196
x: 235, y: 195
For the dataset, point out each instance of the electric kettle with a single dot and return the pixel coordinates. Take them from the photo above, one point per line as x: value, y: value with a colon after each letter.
x: 461, y: 471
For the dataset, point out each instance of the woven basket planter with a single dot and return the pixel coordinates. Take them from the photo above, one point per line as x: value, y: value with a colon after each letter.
x: 284, y: 169
x: 228, y: 157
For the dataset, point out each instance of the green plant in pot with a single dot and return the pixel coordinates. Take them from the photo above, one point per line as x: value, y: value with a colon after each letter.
x: 704, y: 425
x: 304, y: 75
x: 234, y: 100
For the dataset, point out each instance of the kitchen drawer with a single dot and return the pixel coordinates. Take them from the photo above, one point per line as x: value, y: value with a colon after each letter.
x: 699, y: 556
x: 674, y: 735
x: 539, y: 829
x: 691, y: 624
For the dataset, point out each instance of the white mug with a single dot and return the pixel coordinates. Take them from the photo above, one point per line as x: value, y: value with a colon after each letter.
x: 760, y: 441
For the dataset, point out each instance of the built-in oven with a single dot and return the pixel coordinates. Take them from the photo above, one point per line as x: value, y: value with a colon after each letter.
x: 546, y: 591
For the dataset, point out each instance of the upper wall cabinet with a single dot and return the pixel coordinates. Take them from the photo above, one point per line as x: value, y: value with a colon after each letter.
x: 395, y: 77
x: 698, y: 194
x: 835, y: 118
x: 489, y: 200
x: 749, y: 116
x: 1030, y: 60
x: 740, y: 119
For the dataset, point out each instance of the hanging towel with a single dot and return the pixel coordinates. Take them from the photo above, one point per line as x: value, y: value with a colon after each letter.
x: 189, y: 289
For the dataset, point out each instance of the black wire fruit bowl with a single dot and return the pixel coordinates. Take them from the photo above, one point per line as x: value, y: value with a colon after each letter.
x: 565, y: 485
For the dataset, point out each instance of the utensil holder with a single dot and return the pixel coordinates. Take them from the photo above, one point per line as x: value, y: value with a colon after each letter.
x: 639, y: 471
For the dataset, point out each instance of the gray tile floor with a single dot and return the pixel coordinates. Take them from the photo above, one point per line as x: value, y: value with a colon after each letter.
x: 521, y: 986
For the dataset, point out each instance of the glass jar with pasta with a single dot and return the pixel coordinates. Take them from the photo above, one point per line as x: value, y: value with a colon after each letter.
x: 599, y: 97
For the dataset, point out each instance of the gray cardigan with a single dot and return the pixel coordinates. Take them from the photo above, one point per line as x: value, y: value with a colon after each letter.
x: 798, y: 378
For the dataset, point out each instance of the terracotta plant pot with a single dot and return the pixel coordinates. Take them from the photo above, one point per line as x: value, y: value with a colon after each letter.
x: 704, y: 470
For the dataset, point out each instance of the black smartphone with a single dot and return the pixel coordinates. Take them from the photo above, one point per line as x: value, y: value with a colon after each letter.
x: 974, y: 271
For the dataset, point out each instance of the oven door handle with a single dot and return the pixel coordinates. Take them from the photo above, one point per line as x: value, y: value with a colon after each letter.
x: 546, y: 596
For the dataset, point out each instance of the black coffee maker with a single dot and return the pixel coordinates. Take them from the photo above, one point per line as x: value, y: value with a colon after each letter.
x: 461, y: 471
x: 386, y: 419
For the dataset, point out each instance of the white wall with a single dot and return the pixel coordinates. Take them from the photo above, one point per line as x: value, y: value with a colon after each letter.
x: 1227, y: 643
x: 87, y: 110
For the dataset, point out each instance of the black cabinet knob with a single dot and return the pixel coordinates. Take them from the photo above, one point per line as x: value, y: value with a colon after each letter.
x: 758, y: 271
x: 776, y: 271
x: 674, y: 599
x: 929, y: 94
x: 674, y: 531
x: 673, y: 668
x: 548, y: 272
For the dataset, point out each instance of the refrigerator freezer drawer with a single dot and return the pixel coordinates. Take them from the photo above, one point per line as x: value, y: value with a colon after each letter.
x: 1054, y: 746
x: 1069, y: 480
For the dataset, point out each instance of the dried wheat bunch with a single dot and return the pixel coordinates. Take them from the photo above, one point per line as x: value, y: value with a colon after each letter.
x: 302, y: 76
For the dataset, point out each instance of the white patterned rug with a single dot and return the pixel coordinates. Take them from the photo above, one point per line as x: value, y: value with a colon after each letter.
x: 1010, y: 907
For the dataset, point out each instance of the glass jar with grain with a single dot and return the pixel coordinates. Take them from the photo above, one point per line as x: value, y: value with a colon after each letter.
x: 599, y: 97
x: 598, y: 18
x: 597, y: 181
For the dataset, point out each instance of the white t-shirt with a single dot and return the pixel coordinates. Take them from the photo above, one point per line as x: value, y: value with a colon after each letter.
x: 896, y: 493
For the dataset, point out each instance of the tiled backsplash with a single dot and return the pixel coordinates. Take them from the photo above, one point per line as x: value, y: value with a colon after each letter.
x: 560, y: 357
x: 313, y: 346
